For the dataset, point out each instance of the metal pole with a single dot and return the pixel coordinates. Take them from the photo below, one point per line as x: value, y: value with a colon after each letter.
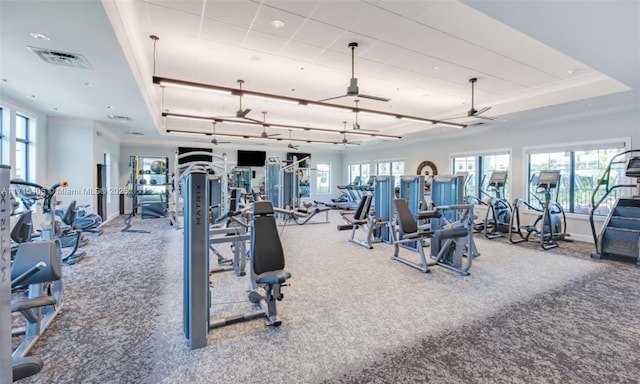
x: 196, y: 260
x: 6, y: 374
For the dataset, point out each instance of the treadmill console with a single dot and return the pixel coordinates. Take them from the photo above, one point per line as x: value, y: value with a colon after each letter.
x: 633, y: 167
x: 498, y: 179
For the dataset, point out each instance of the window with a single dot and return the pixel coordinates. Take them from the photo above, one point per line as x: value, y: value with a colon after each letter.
x: 480, y: 169
x: 580, y: 170
x: 363, y: 170
x: 323, y: 178
x: 391, y: 168
x: 22, y: 147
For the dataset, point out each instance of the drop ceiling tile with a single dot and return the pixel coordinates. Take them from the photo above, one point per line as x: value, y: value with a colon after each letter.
x: 391, y: 28
x: 343, y: 14
x: 264, y: 42
x: 301, y: 51
x: 318, y: 34
x: 406, y: 8
x: 238, y: 12
x: 191, y: 6
x: 364, y: 43
x: 383, y: 52
x: 446, y: 15
x: 291, y: 22
x: 222, y: 33
x: 334, y: 59
x: 300, y: 8
x: 172, y: 22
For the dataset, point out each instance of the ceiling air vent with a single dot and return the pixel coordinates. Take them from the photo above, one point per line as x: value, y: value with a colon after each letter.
x: 61, y: 58
x: 122, y: 119
x: 134, y: 133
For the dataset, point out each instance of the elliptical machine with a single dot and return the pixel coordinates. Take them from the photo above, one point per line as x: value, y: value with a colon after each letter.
x: 551, y: 224
x: 498, y: 218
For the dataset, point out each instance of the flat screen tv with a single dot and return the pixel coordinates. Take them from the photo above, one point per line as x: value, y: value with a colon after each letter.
x: 251, y: 158
x: 299, y: 156
x: 189, y: 159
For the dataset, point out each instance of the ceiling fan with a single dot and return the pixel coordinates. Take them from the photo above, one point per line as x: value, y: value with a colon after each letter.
x: 291, y: 146
x: 264, y: 133
x: 345, y: 141
x: 352, y: 89
x: 356, y: 126
x: 241, y: 113
x: 215, y: 141
x: 473, y: 112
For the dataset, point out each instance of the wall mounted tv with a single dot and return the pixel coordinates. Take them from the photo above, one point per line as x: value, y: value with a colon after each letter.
x: 251, y: 158
x: 188, y: 159
x: 299, y: 156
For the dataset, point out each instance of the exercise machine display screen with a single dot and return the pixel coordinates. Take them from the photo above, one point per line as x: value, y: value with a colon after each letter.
x: 498, y: 178
x: 549, y: 178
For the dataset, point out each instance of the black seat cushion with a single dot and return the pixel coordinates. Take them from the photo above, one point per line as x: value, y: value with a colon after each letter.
x: 24, y: 367
x: 273, y: 277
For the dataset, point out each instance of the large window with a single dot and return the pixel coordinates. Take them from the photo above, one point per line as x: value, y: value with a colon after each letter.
x: 363, y: 170
x: 580, y: 170
x: 391, y: 168
x: 22, y: 147
x: 479, y: 169
x: 323, y: 178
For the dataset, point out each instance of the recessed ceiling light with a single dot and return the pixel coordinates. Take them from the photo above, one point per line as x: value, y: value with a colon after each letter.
x: 33, y: 96
x: 87, y: 84
x: 571, y: 71
x: 39, y: 36
x: 109, y: 107
x: 435, y: 67
x: 5, y: 80
x: 55, y: 108
x: 277, y: 23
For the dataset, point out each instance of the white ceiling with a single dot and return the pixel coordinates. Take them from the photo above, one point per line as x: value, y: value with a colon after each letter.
x: 420, y: 54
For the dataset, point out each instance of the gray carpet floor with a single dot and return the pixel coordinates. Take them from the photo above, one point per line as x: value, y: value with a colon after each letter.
x: 350, y: 315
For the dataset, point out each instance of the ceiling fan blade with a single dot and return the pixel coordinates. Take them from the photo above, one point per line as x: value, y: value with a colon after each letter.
x: 243, y: 113
x: 483, y: 110
x: 485, y: 117
x: 377, y: 98
x: 273, y: 134
x: 332, y: 98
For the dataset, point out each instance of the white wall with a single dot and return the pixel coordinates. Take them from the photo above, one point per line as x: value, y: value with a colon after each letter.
x: 70, y: 157
x: 515, y: 137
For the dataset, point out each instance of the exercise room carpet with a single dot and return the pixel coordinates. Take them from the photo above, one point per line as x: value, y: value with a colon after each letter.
x: 351, y: 315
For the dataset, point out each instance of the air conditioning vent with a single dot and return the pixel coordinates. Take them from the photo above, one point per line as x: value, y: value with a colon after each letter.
x: 61, y: 58
x: 122, y: 119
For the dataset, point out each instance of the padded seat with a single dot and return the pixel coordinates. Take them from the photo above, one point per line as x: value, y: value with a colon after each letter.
x: 23, y: 305
x: 24, y: 367
x: 451, y: 233
x: 273, y: 277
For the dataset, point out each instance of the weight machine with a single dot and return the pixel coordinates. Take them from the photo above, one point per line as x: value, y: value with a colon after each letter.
x: 266, y: 263
x: 216, y: 170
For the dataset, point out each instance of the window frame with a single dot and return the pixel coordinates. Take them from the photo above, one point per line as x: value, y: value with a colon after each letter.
x: 622, y: 143
x: 478, y: 171
x: 26, y: 140
x: 318, y: 175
